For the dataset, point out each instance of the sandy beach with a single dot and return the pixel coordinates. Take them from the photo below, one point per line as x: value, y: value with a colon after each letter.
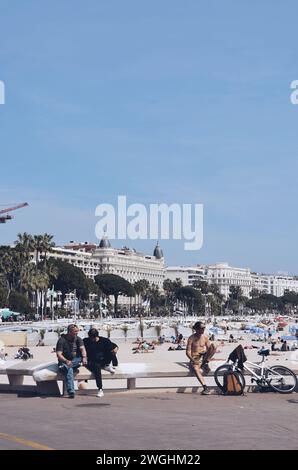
x: 164, y: 360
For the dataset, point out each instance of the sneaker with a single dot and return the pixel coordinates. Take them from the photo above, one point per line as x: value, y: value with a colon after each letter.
x: 206, y: 391
x: 110, y: 369
x: 100, y: 393
x: 71, y: 395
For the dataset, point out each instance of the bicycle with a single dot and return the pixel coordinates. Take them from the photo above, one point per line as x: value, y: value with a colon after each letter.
x: 279, y: 378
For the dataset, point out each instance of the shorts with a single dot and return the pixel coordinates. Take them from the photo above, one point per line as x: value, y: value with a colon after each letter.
x: 198, y: 360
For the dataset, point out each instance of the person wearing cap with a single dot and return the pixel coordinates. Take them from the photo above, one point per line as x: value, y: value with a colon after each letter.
x: 101, y: 353
x: 199, y: 351
x: 71, y: 353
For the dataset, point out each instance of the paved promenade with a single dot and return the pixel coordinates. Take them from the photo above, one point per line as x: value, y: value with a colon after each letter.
x: 150, y: 420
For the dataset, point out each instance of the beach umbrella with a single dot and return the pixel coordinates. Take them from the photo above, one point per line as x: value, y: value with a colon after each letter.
x: 289, y: 338
x: 282, y: 319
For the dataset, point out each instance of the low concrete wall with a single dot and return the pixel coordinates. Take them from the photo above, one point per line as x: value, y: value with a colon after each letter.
x: 14, y: 338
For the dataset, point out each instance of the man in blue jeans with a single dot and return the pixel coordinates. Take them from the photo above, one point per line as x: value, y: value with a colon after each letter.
x: 71, y: 353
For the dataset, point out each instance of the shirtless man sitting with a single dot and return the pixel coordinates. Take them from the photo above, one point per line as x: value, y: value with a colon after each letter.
x: 199, y: 350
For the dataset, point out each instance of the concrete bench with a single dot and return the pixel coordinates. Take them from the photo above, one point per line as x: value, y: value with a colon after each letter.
x: 46, y: 377
x: 17, y: 369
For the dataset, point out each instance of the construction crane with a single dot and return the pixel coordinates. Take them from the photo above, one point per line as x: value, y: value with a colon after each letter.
x: 5, y: 218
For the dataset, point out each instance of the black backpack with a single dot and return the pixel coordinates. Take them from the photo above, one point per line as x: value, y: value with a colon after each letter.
x: 232, y: 384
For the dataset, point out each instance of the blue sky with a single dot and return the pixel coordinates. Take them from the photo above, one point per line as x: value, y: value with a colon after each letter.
x: 164, y: 101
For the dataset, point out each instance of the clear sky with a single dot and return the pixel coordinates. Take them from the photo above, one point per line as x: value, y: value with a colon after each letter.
x: 161, y: 100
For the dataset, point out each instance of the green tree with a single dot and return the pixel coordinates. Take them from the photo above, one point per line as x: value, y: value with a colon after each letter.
x: 19, y: 302
x: 202, y: 286
x: 111, y: 284
x: 235, y: 299
x: 254, y: 293
x: 192, y: 299
x: 141, y: 288
x: 10, y: 267
x: 265, y: 302
x: 3, y: 297
x: 155, y: 298
x: 289, y: 300
x: 68, y: 279
x: 171, y: 288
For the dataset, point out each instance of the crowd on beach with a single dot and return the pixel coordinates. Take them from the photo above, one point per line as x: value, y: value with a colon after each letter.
x: 97, y: 352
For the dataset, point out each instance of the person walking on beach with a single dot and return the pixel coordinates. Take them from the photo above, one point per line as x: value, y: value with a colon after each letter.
x: 71, y: 353
x: 200, y: 350
x: 101, y: 354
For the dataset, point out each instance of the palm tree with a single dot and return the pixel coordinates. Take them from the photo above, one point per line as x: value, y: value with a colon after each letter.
x: 142, y: 327
x: 141, y: 288
x: 45, y: 244
x: 171, y: 288
x: 42, y: 335
x: 154, y: 296
x: 108, y: 329
x: 174, y: 325
x: 124, y: 328
x: 158, y: 329
x: 24, y: 246
x: 10, y: 268
x: 38, y: 245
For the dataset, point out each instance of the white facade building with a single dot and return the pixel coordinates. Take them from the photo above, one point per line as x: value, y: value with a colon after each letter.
x: 225, y: 276
x: 187, y: 274
x: 124, y: 262
x: 275, y: 284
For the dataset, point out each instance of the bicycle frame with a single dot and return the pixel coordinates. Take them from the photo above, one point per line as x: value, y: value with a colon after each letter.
x: 261, y: 366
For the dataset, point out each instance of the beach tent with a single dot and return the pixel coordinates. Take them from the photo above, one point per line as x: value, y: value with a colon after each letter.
x: 254, y: 329
x: 258, y: 330
x: 6, y: 313
x: 293, y: 328
x: 215, y: 330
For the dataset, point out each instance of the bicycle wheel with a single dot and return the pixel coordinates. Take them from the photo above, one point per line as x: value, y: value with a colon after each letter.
x: 282, y: 379
x: 220, y: 372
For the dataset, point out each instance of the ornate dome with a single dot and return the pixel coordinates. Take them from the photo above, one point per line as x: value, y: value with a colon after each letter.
x: 158, y: 253
x: 104, y: 242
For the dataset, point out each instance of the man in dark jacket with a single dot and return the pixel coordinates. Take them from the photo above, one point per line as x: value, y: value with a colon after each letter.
x: 100, y: 353
x: 71, y: 353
